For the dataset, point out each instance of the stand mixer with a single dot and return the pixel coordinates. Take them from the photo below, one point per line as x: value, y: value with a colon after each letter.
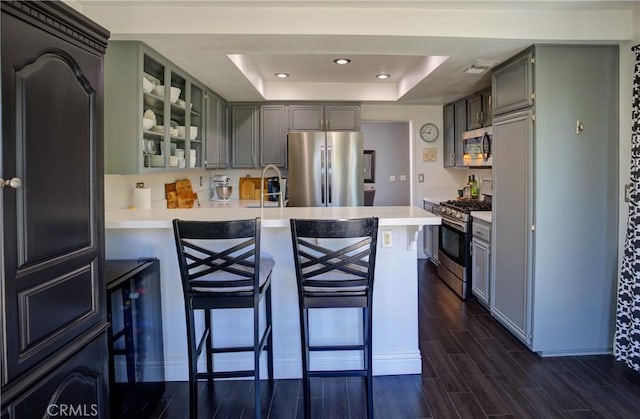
x: 220, y: 188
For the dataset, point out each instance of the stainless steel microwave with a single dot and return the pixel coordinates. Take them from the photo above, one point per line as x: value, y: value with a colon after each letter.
x: 476, y: 147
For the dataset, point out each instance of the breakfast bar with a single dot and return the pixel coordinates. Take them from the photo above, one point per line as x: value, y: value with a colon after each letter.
x: 148, y: 233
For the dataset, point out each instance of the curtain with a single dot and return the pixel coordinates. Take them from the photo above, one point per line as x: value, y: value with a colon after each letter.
x: 627, y: 339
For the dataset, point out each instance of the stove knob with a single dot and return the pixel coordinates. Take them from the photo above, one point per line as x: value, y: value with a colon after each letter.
x: 458, y: 215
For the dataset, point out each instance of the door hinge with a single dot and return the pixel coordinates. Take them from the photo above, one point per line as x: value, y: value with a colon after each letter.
x: 533, y: 227
x: 533, y: 117
x: 533, y: 60
x: 533, y: 95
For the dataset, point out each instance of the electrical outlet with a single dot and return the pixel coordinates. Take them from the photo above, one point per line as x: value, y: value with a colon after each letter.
x: 392, y: 178
x: 420, y: 177
x: 403, y: 178
x: 387, y: 238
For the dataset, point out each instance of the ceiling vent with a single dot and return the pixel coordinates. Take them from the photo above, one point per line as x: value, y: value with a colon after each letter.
x: 481, y: 66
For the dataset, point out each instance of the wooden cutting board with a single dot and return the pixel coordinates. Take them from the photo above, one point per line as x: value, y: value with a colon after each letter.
x: 249, y: 187
x: 184, y: 190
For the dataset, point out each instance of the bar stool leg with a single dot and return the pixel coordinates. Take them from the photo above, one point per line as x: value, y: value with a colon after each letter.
x: 193, y: 365
x: 270, y: 337
x: 209, y: 344
x: 256, y: 358
x: 306, y: 385
x: 369, y: 365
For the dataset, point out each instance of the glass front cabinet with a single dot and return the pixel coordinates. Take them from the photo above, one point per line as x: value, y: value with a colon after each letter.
x: 153, y: 113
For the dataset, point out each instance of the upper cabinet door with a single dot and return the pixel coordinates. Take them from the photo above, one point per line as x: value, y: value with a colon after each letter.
x: 513, y: 85
x: 273, y: 135
x: 449, y: 136
x: 52, y: 224
x: 244, y: 132
x: 474, y: 112
x: 460, y: 116
x: 342, y: 118
x: 306, y: 118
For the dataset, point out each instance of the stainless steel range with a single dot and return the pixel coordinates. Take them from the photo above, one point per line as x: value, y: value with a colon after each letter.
x: 455, y: 242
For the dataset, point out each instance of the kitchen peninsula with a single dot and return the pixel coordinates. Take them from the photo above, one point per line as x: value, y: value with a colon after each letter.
x: 145, y: 233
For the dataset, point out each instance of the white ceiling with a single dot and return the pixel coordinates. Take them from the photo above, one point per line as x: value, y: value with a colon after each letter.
x: 236, y: 47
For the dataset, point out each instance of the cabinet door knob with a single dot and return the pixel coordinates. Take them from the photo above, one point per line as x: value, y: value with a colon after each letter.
x: 15, y: 183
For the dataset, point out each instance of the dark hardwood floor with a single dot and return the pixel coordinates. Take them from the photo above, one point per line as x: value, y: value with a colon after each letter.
x: 472, y: 368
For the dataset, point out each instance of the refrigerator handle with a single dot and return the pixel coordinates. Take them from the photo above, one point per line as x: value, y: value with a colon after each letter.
x: 322, y: 172
x: 329, y: 172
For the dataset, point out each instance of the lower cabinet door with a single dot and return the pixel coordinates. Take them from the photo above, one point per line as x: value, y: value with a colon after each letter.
x: 76, y: 388
x: 480, y: 273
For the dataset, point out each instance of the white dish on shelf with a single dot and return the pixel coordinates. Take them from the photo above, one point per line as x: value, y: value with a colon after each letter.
x: 174, y: 94
x: 147, y: 84
x: 193, y: 131
x: 149, y: 114
x: 158, y: 128
x: 173, y: 161
x: 181, y: 103
x: 147, y: 124
x: 173, y: 132
x: 158, y: 90
x: 157, y: 160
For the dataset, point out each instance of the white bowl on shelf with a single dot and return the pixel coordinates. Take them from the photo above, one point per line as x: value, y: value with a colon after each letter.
x: 193, y: 133
x: 181, y: 131
x: 181, y: 103
x: 147, y: 85
x: 173, y: 132
x: 158, y: 90
x: 158, y: 128
x: 173, y: 161
x: 147, y: 124
x: 175, y: 94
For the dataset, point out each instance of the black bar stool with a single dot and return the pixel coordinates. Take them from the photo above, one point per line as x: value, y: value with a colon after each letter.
x: 220, y: 268
x: 337, y: 274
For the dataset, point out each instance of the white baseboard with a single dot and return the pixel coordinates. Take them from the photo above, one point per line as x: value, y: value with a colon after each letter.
x: 393, y: 363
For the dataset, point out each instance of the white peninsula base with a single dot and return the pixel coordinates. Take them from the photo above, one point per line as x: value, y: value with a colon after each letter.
x: 133, y: 234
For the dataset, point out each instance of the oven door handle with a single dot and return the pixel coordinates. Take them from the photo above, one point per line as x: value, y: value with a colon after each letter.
x: 457, y: 226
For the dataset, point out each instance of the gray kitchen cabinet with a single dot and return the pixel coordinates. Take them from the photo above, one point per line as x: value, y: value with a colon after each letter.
x: 430, y: 233
x: 244, y: 136
x: 479, y: 112
x: 131, y: 147
x: 481, y: 260
x: 512, y: 85
x: 487, y: 107
x: 449, y: 136
x: 217, y: 140
x: 460, y: 126
x: 556, y: 292
x: 273, y: 135
x: 321, y: 117
x: 342, y: 118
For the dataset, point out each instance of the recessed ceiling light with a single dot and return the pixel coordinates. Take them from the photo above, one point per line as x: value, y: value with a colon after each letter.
x: 282, y: 75
x: 383, y: 76
x: 342, y: 61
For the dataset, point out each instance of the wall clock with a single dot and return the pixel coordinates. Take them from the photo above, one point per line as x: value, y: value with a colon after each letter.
x: 429, y: 132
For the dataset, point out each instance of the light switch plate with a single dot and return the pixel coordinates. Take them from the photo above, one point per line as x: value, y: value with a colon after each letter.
x: 420, y: 177
x: 387, y: 238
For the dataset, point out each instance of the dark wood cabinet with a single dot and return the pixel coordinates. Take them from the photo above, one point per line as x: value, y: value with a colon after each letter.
x: 53, y: 303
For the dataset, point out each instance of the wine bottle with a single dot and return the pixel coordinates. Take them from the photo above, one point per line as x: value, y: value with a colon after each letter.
x: 474, y: 187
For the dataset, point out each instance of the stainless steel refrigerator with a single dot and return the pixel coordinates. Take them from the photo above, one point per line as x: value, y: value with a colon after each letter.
x: 325, y: 169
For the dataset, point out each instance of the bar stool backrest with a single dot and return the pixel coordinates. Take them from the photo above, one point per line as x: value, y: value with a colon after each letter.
x: 218, y: 256
x: 334, y: 261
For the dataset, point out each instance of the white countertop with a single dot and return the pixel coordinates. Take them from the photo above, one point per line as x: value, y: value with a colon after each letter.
x: 482, y: 215
x: 271, y: 217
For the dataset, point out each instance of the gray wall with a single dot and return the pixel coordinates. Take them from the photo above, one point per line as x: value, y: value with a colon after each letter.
x: 391, y: 142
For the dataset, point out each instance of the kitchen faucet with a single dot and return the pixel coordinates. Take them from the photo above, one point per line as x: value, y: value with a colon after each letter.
x: 281, y: 186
